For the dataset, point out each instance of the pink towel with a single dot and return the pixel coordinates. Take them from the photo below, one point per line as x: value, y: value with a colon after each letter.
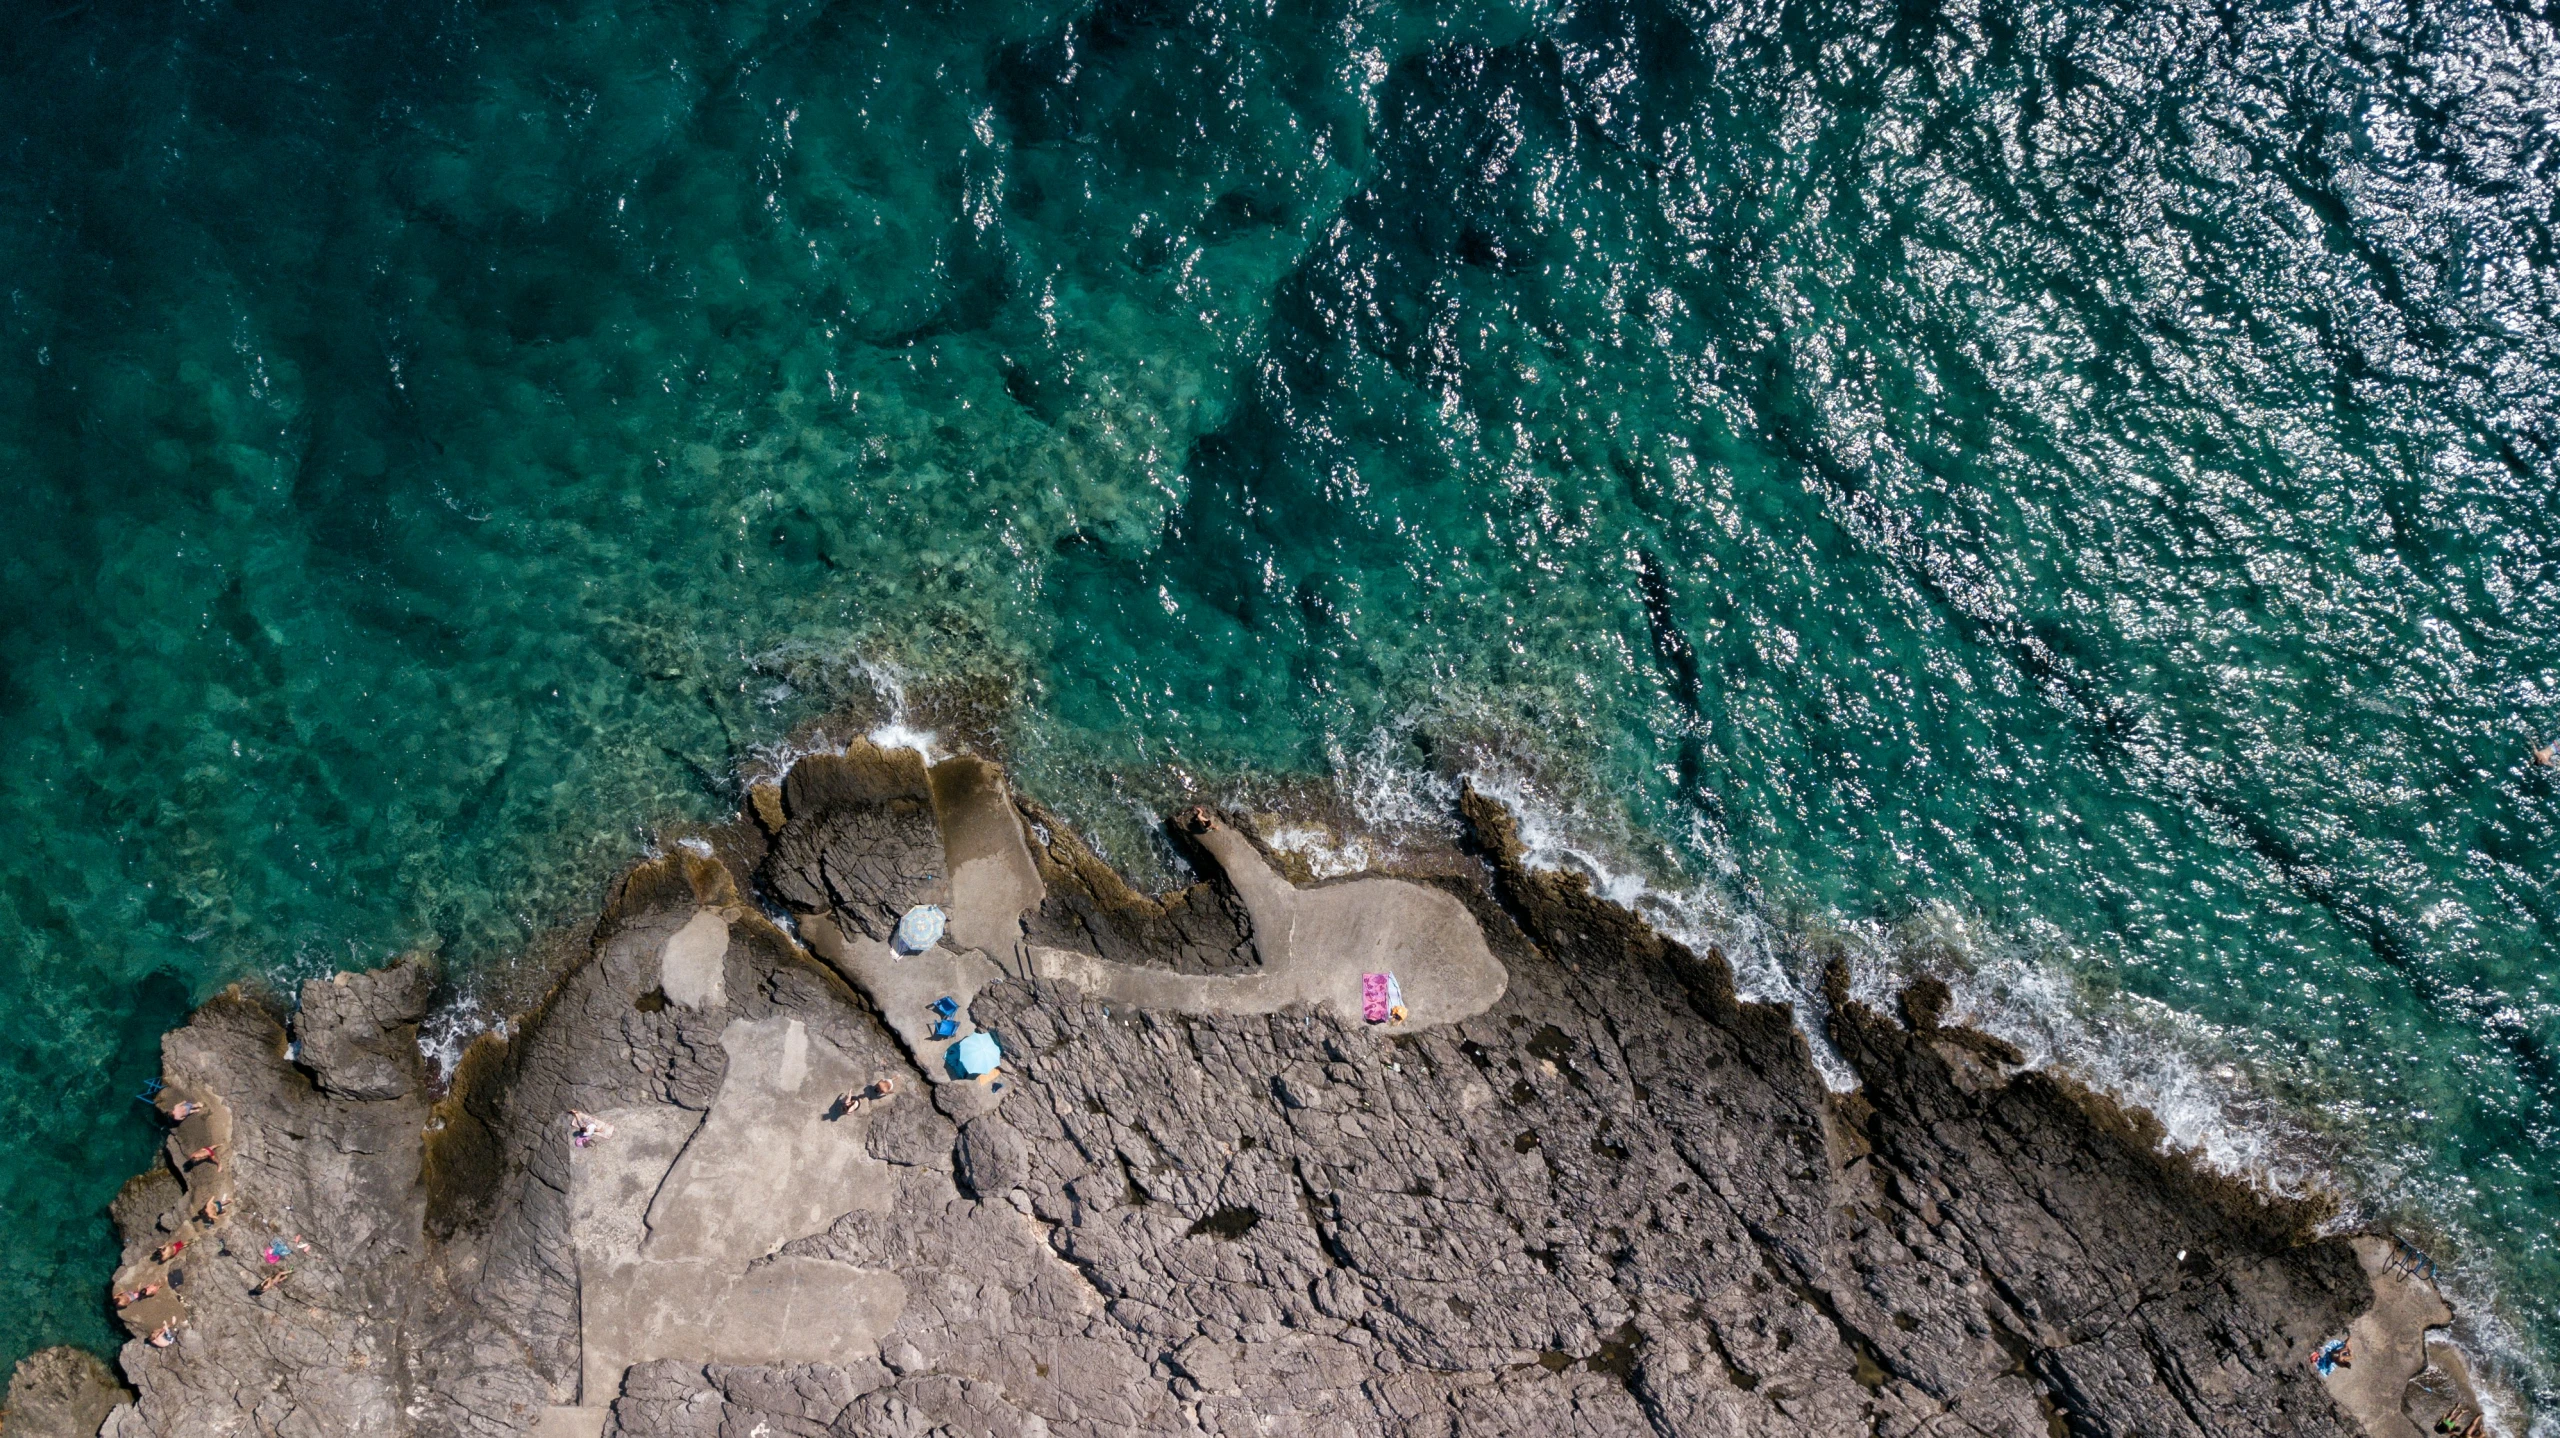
x: 1377, y: 995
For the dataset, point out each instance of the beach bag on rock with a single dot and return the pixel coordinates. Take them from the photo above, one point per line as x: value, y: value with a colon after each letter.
x: 1380, y: 997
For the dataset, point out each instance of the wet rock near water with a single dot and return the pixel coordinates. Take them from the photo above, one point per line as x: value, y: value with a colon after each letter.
x: 61, y: 1393
x: 1604, y: 1196
x: 1087, y: 907
x: 357, y: 1034
x: 867, y: 861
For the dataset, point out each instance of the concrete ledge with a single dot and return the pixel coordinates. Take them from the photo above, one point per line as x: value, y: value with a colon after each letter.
x: 1315, y: 945
x: 571, y: 1422
x: 676, y: 1219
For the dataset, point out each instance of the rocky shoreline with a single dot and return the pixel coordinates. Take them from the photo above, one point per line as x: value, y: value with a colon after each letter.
x: 1583, y: 1188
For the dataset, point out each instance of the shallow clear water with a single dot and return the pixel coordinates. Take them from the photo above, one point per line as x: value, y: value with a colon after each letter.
x: 2054, y: 495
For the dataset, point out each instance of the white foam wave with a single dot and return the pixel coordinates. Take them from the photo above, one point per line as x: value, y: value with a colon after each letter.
x: 1327, y: 856
x: 2496, y: 1354
x: 886, y: 686
x: 2023, y: 989
x: 895, y: 735
x: 1389, y: 796
x: 1700, y: 914
x: 889, y: 686
x: 2033, y: 989
x: 449, y: 1031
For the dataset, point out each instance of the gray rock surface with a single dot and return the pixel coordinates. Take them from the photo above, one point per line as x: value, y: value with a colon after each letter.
x: 1617, y: 1200
x: 859, y: 839
x: 61, y: 1393
x: 331, y: 1181
x: 1086, y: 907
x: 992, y: 1159
x: 1316, y: 946
x: 358, y: 1033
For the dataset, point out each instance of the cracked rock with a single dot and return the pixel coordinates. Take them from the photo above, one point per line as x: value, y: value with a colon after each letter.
x: 1620, y: 1200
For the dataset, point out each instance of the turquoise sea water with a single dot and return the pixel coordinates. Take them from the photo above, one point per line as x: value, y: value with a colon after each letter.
x: 2059, y: 495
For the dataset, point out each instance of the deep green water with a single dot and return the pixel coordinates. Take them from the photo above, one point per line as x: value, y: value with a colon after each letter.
x: 2060, y: 495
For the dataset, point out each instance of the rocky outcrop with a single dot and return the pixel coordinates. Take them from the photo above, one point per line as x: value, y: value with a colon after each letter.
x: 357, y: 1034
x: 858, y: 839
x: 1087, y: 907
x: 61, y: 1393
x: 290, y: 1304
x: 1599, y: 1193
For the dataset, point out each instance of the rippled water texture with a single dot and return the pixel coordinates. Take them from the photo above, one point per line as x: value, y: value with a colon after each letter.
x: 2055, y: 492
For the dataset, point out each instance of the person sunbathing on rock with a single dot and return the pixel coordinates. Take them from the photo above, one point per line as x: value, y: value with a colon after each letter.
x: 164, y: 1335
x: 128, y: 1299
x: 169, y: 1250
x: 210, y: 1156
x: 185, y: 1108
x: 271, y: 1280
x: 873, y: 1092
x: 215, y: 1207
x: 586, y: 1128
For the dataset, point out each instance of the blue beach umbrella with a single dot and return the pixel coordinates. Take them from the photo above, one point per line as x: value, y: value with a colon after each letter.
x: 972, y: 1056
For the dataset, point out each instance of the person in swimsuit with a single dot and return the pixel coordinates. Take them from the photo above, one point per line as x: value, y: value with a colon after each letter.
x: 872, y: 1092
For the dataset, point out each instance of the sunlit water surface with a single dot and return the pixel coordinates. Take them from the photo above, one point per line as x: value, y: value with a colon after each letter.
x: 2055, y: 495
